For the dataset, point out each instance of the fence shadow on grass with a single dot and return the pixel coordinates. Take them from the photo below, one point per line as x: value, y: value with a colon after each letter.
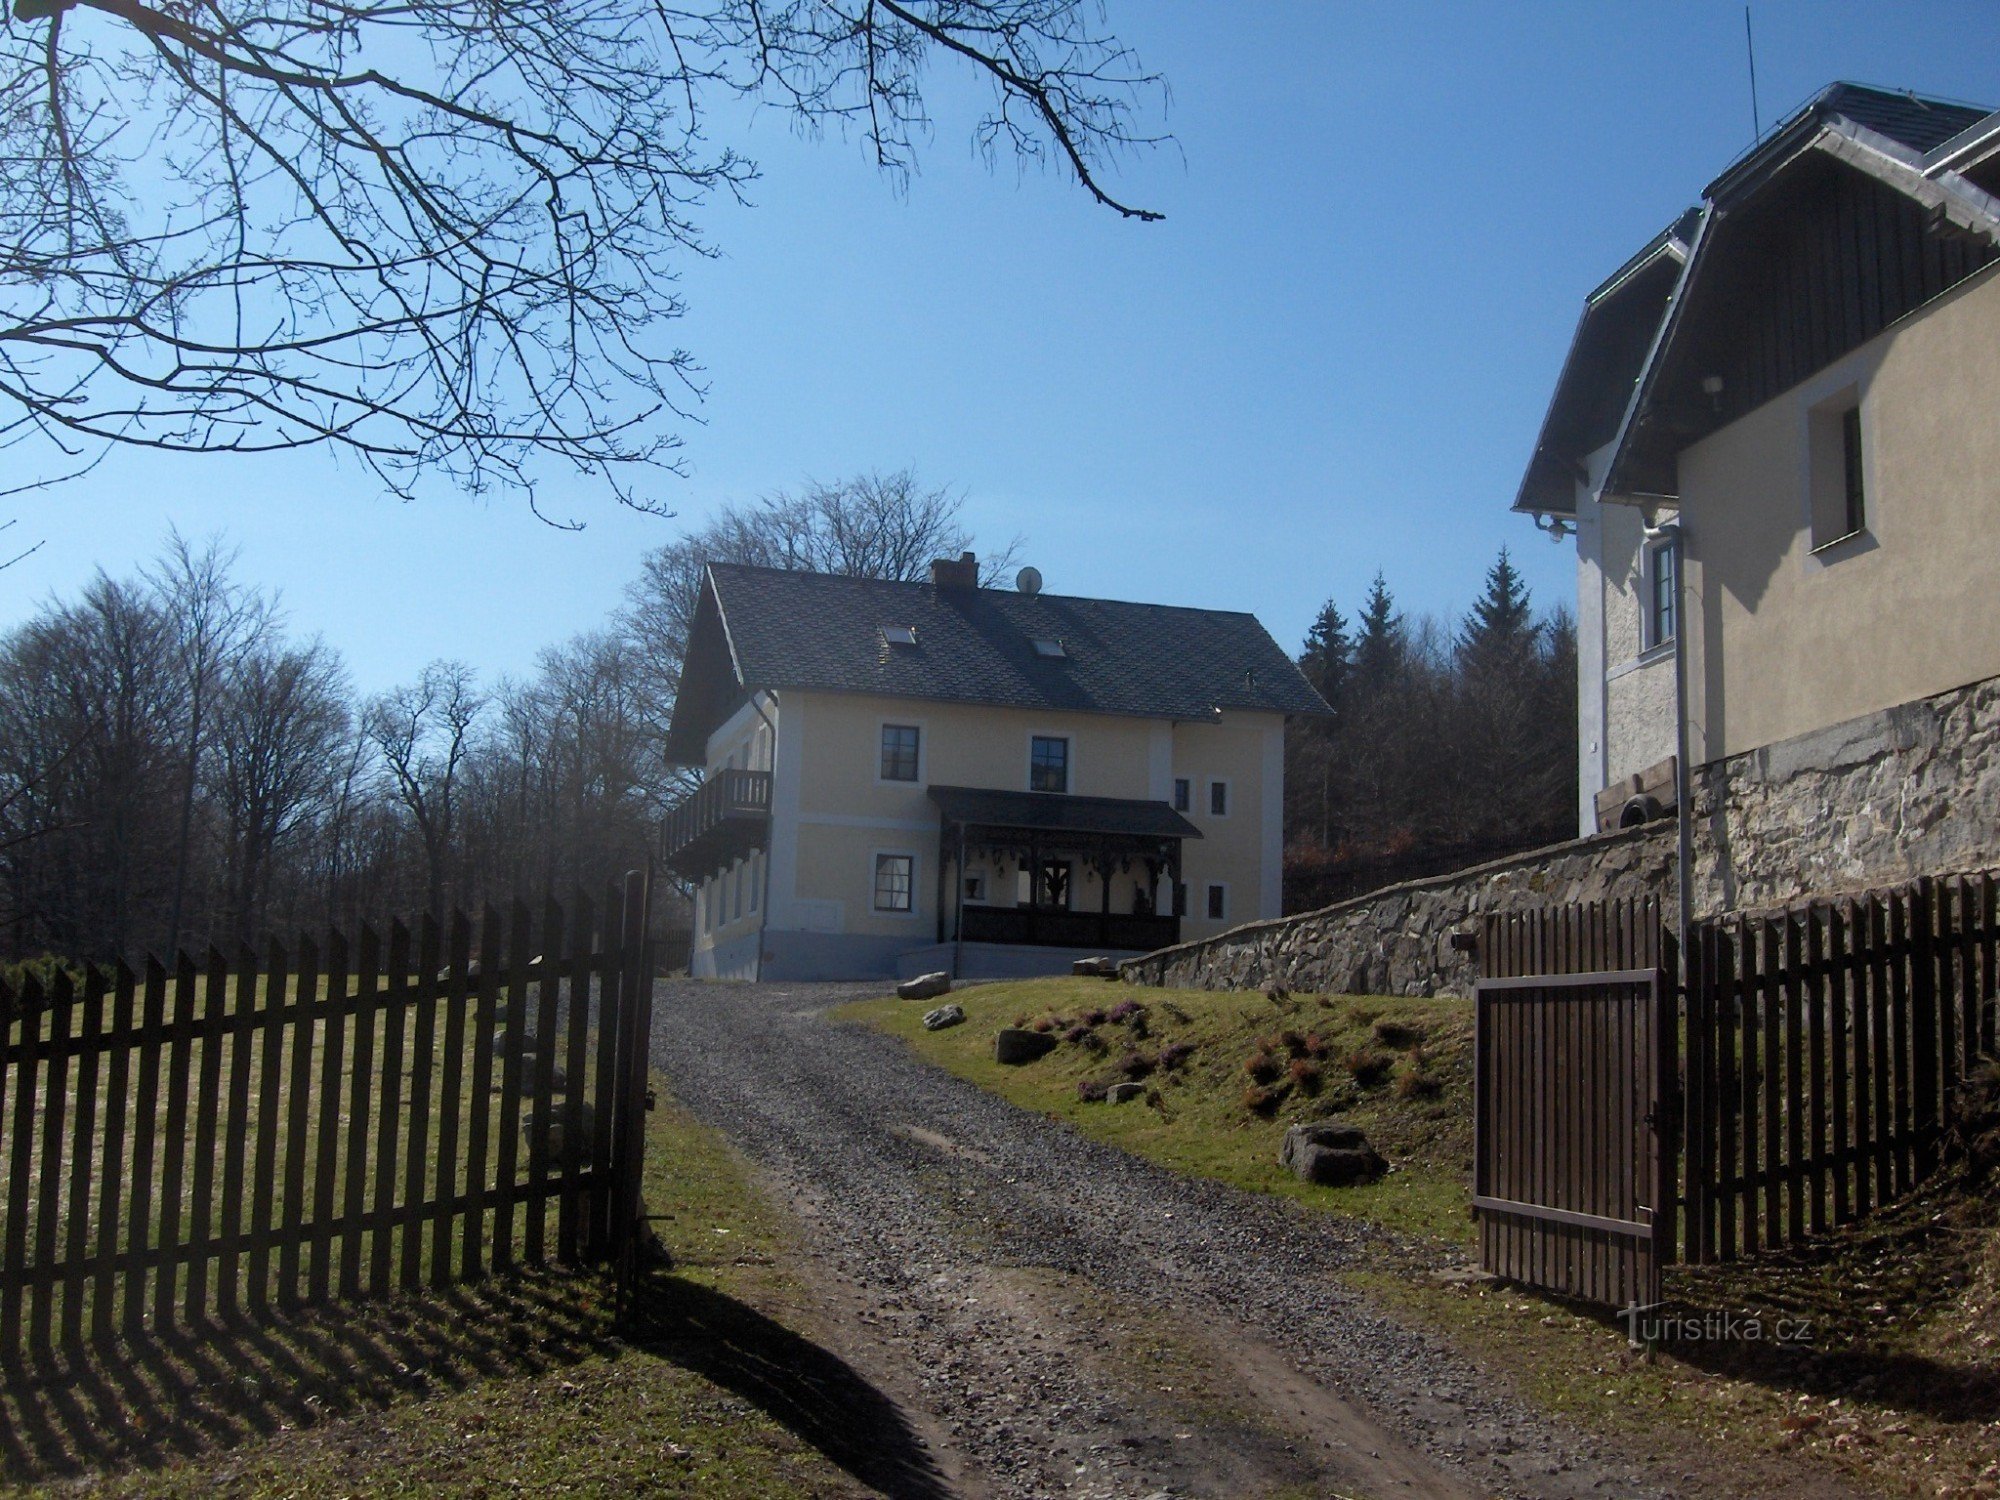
x: 149, y: 1403
x: 814, y: 1394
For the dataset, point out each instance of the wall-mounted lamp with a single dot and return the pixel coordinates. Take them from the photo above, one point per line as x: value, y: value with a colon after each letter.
x: 1711, y: 387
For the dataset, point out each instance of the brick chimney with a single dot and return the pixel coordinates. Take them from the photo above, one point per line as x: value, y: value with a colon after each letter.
x: 947, y: 575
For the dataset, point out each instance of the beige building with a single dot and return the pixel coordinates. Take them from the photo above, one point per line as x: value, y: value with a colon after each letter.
x: 1776, y: 423
x: 907, y: 777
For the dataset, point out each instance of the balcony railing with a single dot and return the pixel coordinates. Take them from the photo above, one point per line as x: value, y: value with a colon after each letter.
x: 722, y: 821
x: 1047, y: 927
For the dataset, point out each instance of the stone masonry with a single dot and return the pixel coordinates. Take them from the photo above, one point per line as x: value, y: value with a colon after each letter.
x: 1914, y: 790
x: 1396, y: 941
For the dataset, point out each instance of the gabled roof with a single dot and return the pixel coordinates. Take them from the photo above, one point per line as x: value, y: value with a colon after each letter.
x: 1613, y: 335
x: 759, y: 628
x: 1846, y: 152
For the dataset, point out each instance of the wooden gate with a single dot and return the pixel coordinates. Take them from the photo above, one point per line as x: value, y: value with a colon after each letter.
x: 1575, y: 1048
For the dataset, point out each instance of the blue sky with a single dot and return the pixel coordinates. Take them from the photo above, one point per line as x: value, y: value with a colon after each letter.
x: 1331, y: 357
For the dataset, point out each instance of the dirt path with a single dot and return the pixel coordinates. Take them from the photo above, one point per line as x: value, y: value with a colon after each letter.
x: 1056, y: 1318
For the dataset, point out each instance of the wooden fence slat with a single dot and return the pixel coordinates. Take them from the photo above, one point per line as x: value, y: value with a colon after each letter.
x: 112, y: 1173
x: 237, y: 1132
x: 472, y: 1256
x: 326, y: 1166
x: 153, y: 1044
x: 423, y: 1056
x: 605, y: 1116
x: 1880, y: 1065
x: 1840, y: 1033
x: 572, y: 1222
x: 1772, y: 1077
x: 31, y: 1005
x: 269, y: 1031
x: 1796, y: 1089
x: 1817, y: 1064
x: 207, y: 1106
x: 1861, y: 1017
x: 82, y: 1157
x: 363, y: 1088
x: 1728, y: 1025
x: 450, y: 1102
x: 1925, y: 1112
x: 1900, y: 1042
x: 518, y: 1002
x: 388, y: 1114
x: 48, y: 1189
x: 542, y: 1108
x: 176, y: 1222
x: 302, y: 1106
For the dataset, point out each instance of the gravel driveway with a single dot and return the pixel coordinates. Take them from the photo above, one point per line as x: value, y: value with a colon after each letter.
x: 1057, y: 1318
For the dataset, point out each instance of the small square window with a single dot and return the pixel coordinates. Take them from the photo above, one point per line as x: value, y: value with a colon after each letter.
x: 1048, y: 763
x: 1050, y: 648
x: 1218, y: 799
x: 975, y: 887
x: 1218, y: 902
x: 1183, y: 794
x: 900, y: 635
x: 894, y: 881
x: 899, y: 752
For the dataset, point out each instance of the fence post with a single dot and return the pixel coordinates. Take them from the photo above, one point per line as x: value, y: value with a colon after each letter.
x: 635, y: 1025
x: 1925, y: 1115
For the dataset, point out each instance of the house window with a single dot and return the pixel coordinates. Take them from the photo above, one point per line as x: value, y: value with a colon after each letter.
x: 1660, y: 578
x: 1048, y: 763
x: 975, y: 887
x: 1183, y: 794
x: 1218, y: 799
x: 899, y: 752
x: 1837, y: 467
x: 1218, y: 902
x: 895, y: 880
x: 1050, y: 886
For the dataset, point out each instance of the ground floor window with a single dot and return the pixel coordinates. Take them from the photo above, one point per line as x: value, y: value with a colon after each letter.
x: 895, y: 881
x: 1218, y: 902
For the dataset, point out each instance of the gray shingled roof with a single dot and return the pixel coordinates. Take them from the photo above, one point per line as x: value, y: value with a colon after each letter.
x: 823, y: 632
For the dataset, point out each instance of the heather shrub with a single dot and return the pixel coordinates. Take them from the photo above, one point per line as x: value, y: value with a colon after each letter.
x: 1305, y: 1073
x: 1368, y: 1066
x: 1261, y: 1066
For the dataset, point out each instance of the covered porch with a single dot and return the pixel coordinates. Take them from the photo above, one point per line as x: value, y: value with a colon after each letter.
x: 1048, y: 870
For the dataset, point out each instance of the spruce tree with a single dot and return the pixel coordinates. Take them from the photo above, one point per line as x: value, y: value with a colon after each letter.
x: 1501, y: 627
x: 1327, y: 654
x: 1382, y: 644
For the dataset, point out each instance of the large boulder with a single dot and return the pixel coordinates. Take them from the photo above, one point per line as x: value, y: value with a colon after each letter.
x: 1331, y: 1154
x: 1094, y: 968
x: 1120, y: 1093
x: 943, y: 1016
x: 1013, y: 1045
x: 925, y: 987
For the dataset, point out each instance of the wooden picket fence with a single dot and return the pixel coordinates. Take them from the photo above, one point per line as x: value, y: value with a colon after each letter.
x: 334, y: 1120
x: 1824, y: 1047
x: 1806, y: 1076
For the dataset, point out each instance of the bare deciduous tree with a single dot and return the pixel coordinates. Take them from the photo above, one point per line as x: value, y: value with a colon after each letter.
x: 423, y: 734
x: 442, y: 236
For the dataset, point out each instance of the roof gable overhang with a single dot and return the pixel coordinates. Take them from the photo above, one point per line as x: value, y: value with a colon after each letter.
x: 711, y: 686
x: 1606, y: 354
x: 1745, y: 216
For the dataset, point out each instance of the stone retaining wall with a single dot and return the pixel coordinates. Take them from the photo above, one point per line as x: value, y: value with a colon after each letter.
x: 1911, y: 791
x: 1395, y: 941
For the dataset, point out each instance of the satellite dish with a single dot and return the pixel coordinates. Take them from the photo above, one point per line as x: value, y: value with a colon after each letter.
x: 1029, y: 581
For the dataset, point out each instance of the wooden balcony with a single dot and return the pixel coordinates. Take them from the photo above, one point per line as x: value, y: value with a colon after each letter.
x: 726, y: 819
x: 1050, y: 928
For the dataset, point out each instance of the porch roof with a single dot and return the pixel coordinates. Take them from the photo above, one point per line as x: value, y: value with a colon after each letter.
x: 1055, y: 812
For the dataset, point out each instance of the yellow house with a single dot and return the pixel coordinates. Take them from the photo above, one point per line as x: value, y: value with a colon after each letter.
x: 1775, y: 441
x: 907, y: 777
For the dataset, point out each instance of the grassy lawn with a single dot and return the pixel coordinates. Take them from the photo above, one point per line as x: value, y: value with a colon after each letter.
x: 518, y: 1384
x: 1401, y: 1069
x: 1898, y: 1388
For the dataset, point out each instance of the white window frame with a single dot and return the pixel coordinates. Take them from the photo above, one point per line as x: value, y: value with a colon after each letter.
x: 1208, y: 797
x: 1209, y: 890
x: 1183, y: 797
x: 1069, y: 760
x: 923, y: 751
x: 875, y: 858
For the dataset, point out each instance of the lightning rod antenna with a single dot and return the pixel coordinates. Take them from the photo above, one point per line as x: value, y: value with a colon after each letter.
x: 1750, y: 46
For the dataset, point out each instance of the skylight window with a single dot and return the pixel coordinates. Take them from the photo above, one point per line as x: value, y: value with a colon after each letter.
x: 900, y: 635
x: 1049, y: 647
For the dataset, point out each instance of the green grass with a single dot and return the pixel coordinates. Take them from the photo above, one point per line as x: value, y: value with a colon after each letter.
x: 1194, y: 1117
x: 517, y: 1385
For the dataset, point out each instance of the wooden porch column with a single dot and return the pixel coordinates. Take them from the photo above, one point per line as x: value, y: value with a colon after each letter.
x: 944, y: 834
x: 1104, y: 888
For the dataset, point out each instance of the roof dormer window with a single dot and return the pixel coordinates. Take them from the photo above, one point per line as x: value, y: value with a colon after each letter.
x: 1049, y: 647
x: 899, y: 635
